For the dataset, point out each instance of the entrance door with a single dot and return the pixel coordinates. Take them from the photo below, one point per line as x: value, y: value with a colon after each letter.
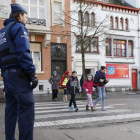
x: 59, y: 66
x: 58, y: 58
x: 134, y: 78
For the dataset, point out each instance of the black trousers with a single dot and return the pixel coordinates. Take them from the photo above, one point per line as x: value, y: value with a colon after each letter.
x: 54, y: 93
x: 65, y: 91
x: 72, y: 100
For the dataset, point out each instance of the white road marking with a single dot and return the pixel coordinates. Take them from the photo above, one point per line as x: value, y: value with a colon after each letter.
x: 80, y: 113
x: 55, y: 102
x: 61, y: 110
x: 66, y: 103
x: 86, y: 120
x: 79, y: 105
x: 57, y: 107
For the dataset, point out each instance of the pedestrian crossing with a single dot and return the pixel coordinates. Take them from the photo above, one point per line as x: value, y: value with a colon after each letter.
x: 58, y: 114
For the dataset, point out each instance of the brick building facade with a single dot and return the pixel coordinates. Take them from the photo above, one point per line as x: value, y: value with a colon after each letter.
x: 50, y: 48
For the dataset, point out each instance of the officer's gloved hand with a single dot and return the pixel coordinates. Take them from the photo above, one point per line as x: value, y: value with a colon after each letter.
x: 33, y: 79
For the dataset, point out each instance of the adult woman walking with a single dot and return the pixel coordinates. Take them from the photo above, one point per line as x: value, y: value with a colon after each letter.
x: 100, y: 78
x: 54, y: 81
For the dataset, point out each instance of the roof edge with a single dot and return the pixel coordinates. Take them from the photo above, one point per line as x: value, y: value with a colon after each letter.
x: 108, y: 4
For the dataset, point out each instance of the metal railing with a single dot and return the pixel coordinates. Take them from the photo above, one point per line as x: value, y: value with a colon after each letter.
x: 36, y: 21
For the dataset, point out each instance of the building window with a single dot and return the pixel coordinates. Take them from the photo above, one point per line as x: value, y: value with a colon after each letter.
x: 130, y: 48
x: 78, y: 43
x: 111, y: 22
x: 80, y: 17
x: 58, y: 13
x: 35, y: 8
x: 94, y: 45
x: 4, y: 8
x: 86, y: 44
x: 92, y: 19
x: 36, y: 55
x: 126, y: 24
x: 119, y: 48
x: 86, y: 19
x: 116, y: 23
x: 90, y: 44
x: 121, y: 23
x: 108, y: 47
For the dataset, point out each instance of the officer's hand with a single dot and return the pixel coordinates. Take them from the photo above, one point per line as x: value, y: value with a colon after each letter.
x: 33, y: 79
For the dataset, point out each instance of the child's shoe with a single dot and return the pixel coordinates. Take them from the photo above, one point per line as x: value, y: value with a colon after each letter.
x: 71, y: 108
x: 87, y: 107
x: 94, y: 105
x: 92, y: 109
x: 103, y: 109
x: 76, y: 109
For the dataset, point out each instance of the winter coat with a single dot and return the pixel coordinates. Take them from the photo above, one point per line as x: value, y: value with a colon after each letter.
x: 88, y: 85
x: 73, y: 85
x: 65, y: 78
x: 99, y: 75
x: 20, y: 37
x: 54, y: 81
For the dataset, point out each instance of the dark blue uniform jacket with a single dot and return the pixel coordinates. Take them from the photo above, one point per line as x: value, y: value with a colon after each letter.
x: 20, y: 36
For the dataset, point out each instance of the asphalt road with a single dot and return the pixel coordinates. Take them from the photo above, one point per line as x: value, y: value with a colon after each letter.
x: 54, y: 121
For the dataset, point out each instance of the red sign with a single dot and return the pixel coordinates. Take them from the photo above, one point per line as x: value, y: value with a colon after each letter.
x: 116, y: 71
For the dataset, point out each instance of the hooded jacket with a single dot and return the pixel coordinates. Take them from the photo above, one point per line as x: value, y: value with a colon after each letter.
x: 88, y: 85
x: 99, y: 75
x: 73, y: 85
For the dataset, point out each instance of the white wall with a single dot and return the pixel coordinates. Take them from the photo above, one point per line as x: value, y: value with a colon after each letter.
x: 101, y: 58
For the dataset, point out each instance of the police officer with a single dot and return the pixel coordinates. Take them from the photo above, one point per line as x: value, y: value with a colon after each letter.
x: 18, y: 74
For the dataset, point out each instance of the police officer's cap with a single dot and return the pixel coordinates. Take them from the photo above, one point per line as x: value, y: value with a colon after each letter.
x: 16, y: 7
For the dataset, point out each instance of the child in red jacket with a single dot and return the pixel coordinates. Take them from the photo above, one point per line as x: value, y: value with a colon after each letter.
x: 63, y: 83
x: 88, y: 87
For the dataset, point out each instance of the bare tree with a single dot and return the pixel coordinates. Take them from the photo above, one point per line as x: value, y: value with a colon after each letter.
x: 83, y: 30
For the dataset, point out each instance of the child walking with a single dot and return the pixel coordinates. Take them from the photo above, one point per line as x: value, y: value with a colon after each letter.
x: 73, y: 88
x: 88, y: 87
x: 63, y: 83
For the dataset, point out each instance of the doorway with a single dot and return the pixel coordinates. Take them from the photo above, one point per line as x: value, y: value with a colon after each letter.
x: 134, y: 78
x: 58, y: 58
x: 59, y: 66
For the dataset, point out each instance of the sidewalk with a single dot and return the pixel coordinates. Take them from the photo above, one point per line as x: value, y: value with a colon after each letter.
x: 48, y: 97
